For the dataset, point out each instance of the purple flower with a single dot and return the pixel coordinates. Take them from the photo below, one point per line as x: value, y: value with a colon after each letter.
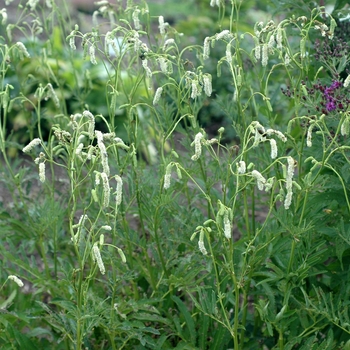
x: 335, y: 85
x: 329, y: 95
x: 330, y: 105
x: 321, y: 98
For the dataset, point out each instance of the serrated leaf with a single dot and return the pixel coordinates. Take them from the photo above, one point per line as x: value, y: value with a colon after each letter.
x: 219, y: 338
x: 188, y: 318
x: 292, y: 342
x: 328, y: 342
x: 307, y: 345
x: 203, y: 331
x: 65, y: 305
x: 143, y: 316
x: 178, y: 327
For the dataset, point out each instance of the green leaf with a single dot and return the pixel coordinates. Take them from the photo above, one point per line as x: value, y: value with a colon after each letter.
x: 143, y: 316
x: 203, y: 331
x: 178, y: 327
x: 292, y: 342
x: 65, y: 305
x: 9, y: 300
x: 308, y: 343
x: 339, y: 4
x: 328, y: 342
x: 188, y: 318
x: 38, y: 332
x: 160, y: 342
x: 23, y: 341
x: 183, y: 346
x: 220, y: 338
x: 269, y: 292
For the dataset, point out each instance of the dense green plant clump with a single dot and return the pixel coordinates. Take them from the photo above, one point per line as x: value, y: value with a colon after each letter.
x: 163, y: 190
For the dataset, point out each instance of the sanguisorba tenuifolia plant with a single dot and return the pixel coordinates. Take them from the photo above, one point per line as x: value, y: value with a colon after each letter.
x: 159, y: 234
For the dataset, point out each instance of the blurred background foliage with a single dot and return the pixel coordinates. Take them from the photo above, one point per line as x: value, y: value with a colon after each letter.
x: 82, y: 85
